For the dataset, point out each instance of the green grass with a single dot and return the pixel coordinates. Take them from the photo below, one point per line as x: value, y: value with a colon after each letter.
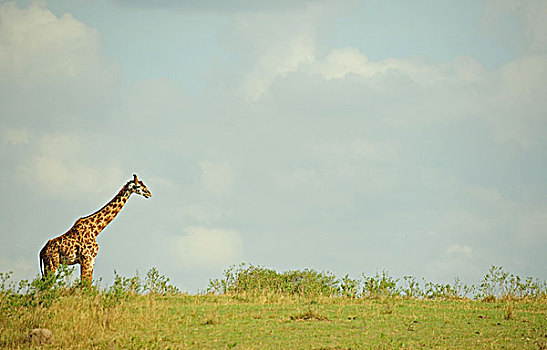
x: 257, y: 308
x: 223, y: 322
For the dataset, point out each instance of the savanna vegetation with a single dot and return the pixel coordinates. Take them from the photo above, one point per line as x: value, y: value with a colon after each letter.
x: 252, y: 307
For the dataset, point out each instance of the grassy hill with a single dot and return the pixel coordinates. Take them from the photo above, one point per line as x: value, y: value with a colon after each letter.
x: 257, y: 308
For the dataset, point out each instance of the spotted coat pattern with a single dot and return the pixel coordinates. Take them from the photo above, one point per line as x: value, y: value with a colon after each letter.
x: 78, y: 245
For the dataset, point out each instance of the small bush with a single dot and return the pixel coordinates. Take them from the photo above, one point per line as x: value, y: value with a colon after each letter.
x: 498, y: 283
x: 256, y: 280
x: 411, y: 288
x: 349, y: 287
x: 155, y: 283
x: 380, y: 286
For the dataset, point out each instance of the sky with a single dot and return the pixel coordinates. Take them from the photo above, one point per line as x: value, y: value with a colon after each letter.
x: 348, y: 136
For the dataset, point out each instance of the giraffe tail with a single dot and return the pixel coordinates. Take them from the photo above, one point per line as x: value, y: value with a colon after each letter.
x: 41, y: 266
x: 41, y: 263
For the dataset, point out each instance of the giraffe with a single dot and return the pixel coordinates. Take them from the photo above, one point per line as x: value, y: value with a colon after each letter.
x: 78, y: 245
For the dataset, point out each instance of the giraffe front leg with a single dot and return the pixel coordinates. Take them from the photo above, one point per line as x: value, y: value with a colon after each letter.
x: 86, y: 270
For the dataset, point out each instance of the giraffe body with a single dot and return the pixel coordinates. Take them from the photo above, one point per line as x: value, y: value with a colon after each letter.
x: 78, y: 245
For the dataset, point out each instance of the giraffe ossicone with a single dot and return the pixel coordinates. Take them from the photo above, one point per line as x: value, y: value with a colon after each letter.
x: 79, y: 245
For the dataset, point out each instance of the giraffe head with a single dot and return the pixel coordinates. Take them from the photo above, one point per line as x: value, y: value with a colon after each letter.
x: 138, y: 187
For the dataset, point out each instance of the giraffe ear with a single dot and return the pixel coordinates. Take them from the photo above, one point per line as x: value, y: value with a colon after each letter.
x: 135, y: 178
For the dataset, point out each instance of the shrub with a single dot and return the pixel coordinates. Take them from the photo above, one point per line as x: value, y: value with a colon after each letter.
x: 256, y: 280
x: 498, y: 283
x: 349, y: 287
x: 155, y: 283
x: 380, y: 286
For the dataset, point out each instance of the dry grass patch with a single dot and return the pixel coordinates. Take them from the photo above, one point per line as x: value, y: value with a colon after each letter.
x: 309, y: 316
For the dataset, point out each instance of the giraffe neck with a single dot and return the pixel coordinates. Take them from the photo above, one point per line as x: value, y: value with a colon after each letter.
x: 106, y: 214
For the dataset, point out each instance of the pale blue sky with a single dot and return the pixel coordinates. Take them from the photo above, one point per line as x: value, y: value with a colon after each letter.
x: 436, y: 30
x: 192, y: 39
x: 351, y: 136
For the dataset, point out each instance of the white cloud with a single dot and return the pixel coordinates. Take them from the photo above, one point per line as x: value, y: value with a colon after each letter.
x: 536, y: 30
x: 217, y: 177
x: 510, y: 98
x: 281, y: 58
x: 517, y: 110
x: 297, y: 54
x: 340, y: 63
x: 209, y: 248
x: 37, y: 45
x: 280, y: 42
x: 15, y: 136
x: 499, y: 14
x: 525, y: 75
x: 201, y: 214
x: 460, y: 249
x: 52, y: 68
x: 58, y: 168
